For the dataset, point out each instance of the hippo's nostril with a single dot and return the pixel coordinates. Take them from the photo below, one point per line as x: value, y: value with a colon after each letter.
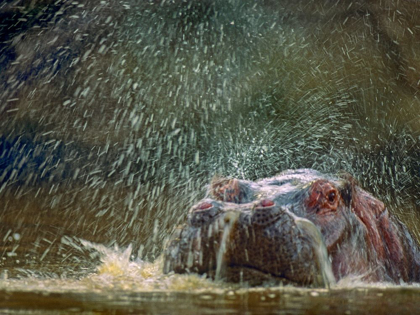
x: 203, y: 212
x: 266, y: 212
x: 267, y: 203
x: 204, y: 206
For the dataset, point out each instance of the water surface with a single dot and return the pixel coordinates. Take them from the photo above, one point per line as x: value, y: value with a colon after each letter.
x: 123, y: 286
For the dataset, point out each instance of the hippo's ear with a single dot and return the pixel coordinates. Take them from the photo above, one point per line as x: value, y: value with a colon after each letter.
x: 228, y: 190
x: 347, y: 189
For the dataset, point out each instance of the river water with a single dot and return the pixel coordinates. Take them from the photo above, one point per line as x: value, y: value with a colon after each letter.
x: 115, y: 115
x: 123, y: 286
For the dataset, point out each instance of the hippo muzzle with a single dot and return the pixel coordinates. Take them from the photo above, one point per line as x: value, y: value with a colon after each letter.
x: 253, y: 244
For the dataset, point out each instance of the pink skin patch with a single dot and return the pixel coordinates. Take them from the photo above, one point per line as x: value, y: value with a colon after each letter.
x: 204, y: 206
x: 267, y: 203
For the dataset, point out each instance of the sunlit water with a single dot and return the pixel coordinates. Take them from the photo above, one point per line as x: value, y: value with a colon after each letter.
x: 121, y: 285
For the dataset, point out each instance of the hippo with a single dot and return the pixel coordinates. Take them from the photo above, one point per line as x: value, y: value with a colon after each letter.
x: 300, y: 227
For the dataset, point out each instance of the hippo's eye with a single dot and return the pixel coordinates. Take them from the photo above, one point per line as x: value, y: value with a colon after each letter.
x: 331, y: 196
x: 204, y: 206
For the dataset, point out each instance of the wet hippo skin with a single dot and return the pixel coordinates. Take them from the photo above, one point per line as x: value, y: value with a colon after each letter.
x: 299, y: 227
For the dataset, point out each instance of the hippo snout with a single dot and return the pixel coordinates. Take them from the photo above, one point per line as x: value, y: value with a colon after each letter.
x: 254, y: 242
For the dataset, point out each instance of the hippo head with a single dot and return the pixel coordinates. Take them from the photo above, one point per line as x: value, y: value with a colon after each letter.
x: 299, y: 227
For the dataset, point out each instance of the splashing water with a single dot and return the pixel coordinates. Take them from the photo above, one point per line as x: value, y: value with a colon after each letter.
x: 228, y: 221
x: 327, y: 276
x: 117, y: 271
x: 158, y: 95
x: 120, y: 284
